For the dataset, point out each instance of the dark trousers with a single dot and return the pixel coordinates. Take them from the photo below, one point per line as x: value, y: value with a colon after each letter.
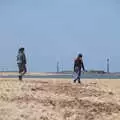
x: 22, y: 70
x: 78, y: 78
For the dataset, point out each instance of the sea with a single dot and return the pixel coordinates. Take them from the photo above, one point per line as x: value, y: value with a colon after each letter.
x: 69, y: 76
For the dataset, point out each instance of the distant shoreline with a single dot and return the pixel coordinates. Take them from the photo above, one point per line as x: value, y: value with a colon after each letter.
x: 86, y: 75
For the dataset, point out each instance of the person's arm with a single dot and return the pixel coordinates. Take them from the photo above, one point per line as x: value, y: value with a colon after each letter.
x: 74, y: 64
x: 18, y: 58
x: 24, y: 59
x: 83, y: 66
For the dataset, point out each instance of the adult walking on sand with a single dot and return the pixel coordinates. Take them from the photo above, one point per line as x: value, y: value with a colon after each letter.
x: 21, y: 62
x: 78, y: 65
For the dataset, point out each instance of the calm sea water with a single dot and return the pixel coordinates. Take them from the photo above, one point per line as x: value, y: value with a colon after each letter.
x: 69, y: 76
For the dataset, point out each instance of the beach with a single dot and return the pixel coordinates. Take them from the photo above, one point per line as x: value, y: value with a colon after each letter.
x: 59, y: 99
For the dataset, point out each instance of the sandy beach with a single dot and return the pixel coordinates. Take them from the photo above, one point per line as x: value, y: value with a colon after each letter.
x: 59, y: 99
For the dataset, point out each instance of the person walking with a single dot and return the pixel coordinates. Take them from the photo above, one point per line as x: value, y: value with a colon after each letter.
x: 21, y: 62
x: 78, y: 65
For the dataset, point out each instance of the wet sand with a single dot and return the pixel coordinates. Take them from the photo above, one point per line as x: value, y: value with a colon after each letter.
x: 59, y: 99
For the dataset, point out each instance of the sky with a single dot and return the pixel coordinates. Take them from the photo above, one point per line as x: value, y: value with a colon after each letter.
x: 57, y: 30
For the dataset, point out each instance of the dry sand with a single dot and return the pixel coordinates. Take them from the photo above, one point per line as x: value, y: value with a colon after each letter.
x: 59, y: 99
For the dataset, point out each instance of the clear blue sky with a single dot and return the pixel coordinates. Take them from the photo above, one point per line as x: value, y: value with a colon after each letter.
x: 57, y: 30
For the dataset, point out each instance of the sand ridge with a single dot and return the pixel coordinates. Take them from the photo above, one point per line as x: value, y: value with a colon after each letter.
x: 59, y: 99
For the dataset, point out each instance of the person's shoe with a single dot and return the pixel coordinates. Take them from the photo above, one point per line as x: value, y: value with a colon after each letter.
x: 79, y: 81
x: 20, y: 77
x: 74, y: 81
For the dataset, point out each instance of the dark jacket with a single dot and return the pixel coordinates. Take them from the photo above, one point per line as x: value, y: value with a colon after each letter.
x: 78, y: 63
x: 21, y: 58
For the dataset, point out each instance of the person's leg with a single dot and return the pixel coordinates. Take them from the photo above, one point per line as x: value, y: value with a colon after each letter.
x: 20, y: 71
x: 79, y: 75
x: 20, y: 77
x: 75, y: 80
x: 75, y: 74
x: 25, y: 69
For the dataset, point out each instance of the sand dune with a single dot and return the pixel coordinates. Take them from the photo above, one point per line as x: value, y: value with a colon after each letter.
x: 59, y: 99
